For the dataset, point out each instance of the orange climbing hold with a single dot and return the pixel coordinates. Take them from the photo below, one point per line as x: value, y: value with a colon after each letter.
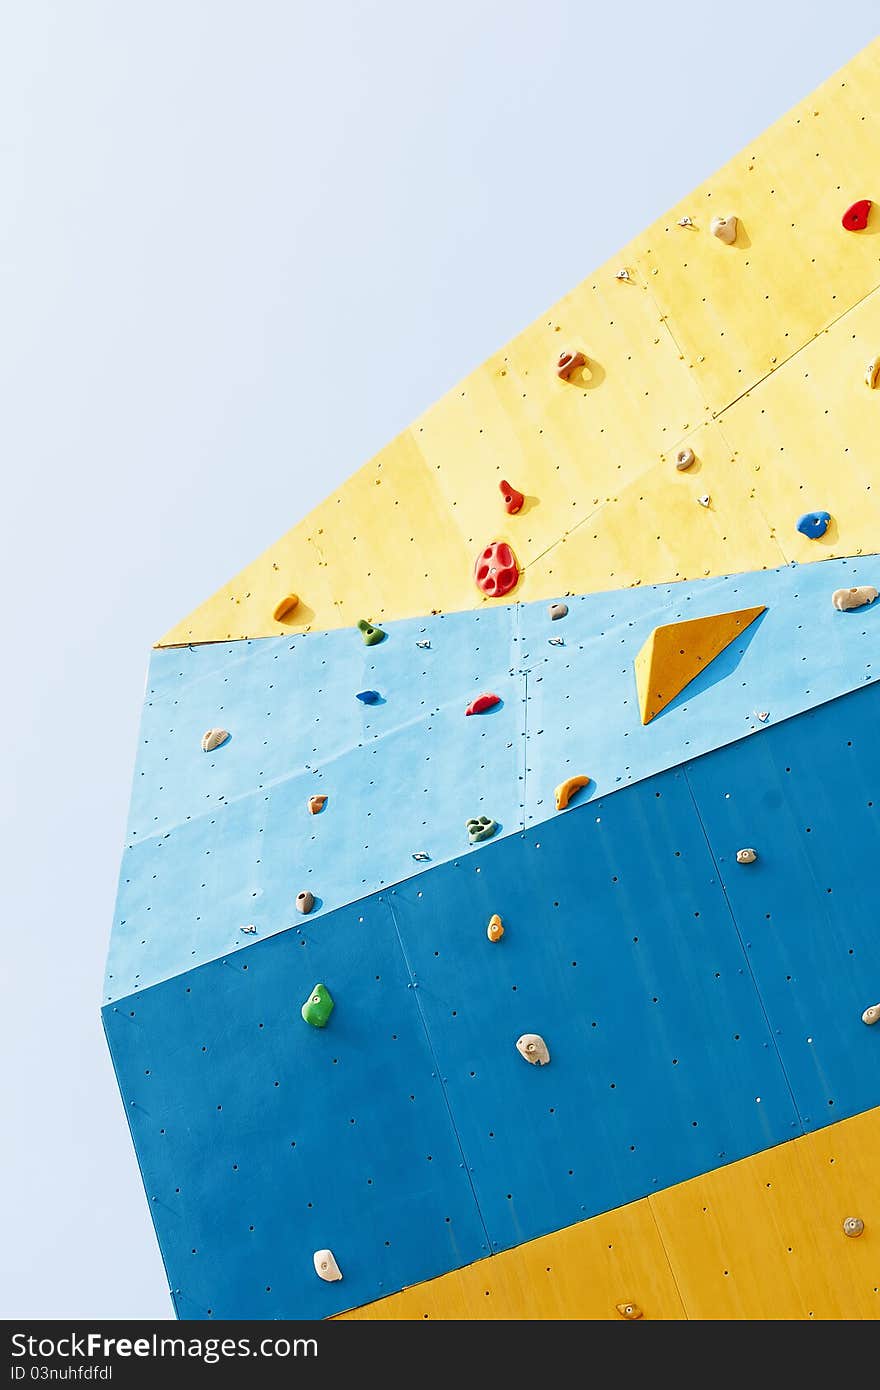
x: 317, y: 803
x: 283, y: 610
x: 677, y: 652
x: 566, y: 790
x: 567, y: 363
x: 496, y: 571
x: 495, y: 929
x: 513, y: 500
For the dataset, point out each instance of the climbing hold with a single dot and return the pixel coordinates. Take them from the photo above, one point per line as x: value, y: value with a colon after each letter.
x: 567, y: 363
x: 853, y: 1226
x: 813, y: 524
x: 305, y: 901
x: 630, y: 1310
x: 318, y: 1007
x: 370, y: 634
x: 285, y: 607
x: 705, y: 500
x: 495, y: 570
x: 481, y: 828
x: 424, y: 645
x: 724, y: 228
x: 251, y: 930
x: 533, y: 1047
x: 369, y: 697
x: 495, y: 929
x: 676, y: 652
x: 871, y: 1015
x: 317, y: 803
x: 872, y: 373
x: 557, y: 610
x: 622, y: 275
x: 746, y: 856
x: 213, y: 739
x: 762, y: 714
x: 683, y: 459
x: 566, y: 790
x: 513, y: 500
x: 326, y: 1266
x: 685, y: 222
x: 844, y: 599
x: 556, y: 641
x: 855, y: 219
x: 482, y: 703
x: 420, y: 856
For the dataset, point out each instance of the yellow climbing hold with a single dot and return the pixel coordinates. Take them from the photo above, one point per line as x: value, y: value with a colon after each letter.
x: 285, y: 607
x: 677, y: 652
x: 629, y: 1310
x: 872, y: 373
x: 495, y: 929
x: 566, y: 790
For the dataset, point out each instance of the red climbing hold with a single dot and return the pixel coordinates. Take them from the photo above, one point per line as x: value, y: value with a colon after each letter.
x: 513, y: 500
x: 482, y: 703
x: 496, y: 571
x: 855, y: 219
x: 567, y: 363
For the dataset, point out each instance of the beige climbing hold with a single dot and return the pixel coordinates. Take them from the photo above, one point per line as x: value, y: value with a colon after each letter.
x: 746, y: 856
x: 533, y: 1047
x: 566, y: 790
x: 724, y: 228
x: 629, y: 1310
x: 317, y: 803
x: 213, y: 739
x: 871, y: 1015
x: 844, y: 599
x: 495, y: 929
x: 326, y: 1266
x: 872, y: 374
x: 285, y: 607
x: 305, y: 901
x: 683, y: 459
x: 853, y: 1226
x: 557, y: 611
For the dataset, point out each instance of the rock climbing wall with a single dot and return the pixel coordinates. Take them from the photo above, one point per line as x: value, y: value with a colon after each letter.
x: 491, y: 935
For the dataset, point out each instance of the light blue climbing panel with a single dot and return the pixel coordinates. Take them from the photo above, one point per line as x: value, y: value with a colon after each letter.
x: 221, y: 840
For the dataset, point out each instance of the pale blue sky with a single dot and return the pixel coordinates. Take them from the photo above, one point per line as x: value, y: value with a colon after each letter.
x: 241, y: 245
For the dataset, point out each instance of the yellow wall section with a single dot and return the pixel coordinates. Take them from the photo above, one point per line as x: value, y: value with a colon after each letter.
x: 760, y: 1239
x: 697, y: 325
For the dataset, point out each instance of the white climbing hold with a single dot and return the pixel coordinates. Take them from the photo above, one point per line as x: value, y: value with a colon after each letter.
x: 326, y: 1266
x: 556, y: 641
x: 683, y: 459
x: 213, y: 739
x: 746, y: 856
x: 705, y: 500
x: 871, y: 1015
x: 533, y: 1047
x: 420, y: 856
x: 762, y: 714
x: 724, y: 228
x: 853, y: 1226
x: 872, y: 374
x: 685, y: 222
x: 423, y: 645
x: 622, y: 275
x: 844, y: 599
x: 251, y: 930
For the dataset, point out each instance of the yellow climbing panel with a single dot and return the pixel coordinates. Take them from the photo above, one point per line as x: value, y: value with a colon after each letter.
x: 677, y: 652
x: 689, y: 348
x: 760, y: 1239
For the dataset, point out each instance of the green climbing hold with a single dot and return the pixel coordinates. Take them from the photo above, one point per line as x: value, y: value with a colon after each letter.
x: 370, y: 634
x: 318, y: 1007
x: 481, y: 828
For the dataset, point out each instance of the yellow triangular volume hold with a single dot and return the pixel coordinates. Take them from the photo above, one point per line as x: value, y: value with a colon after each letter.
x: 674, y: 654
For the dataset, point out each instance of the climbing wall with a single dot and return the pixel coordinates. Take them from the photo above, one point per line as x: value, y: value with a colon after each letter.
x: 491, y: 936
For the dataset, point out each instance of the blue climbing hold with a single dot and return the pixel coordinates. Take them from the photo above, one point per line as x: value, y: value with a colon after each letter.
x: 813, y: 524
x: 369, y: 697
